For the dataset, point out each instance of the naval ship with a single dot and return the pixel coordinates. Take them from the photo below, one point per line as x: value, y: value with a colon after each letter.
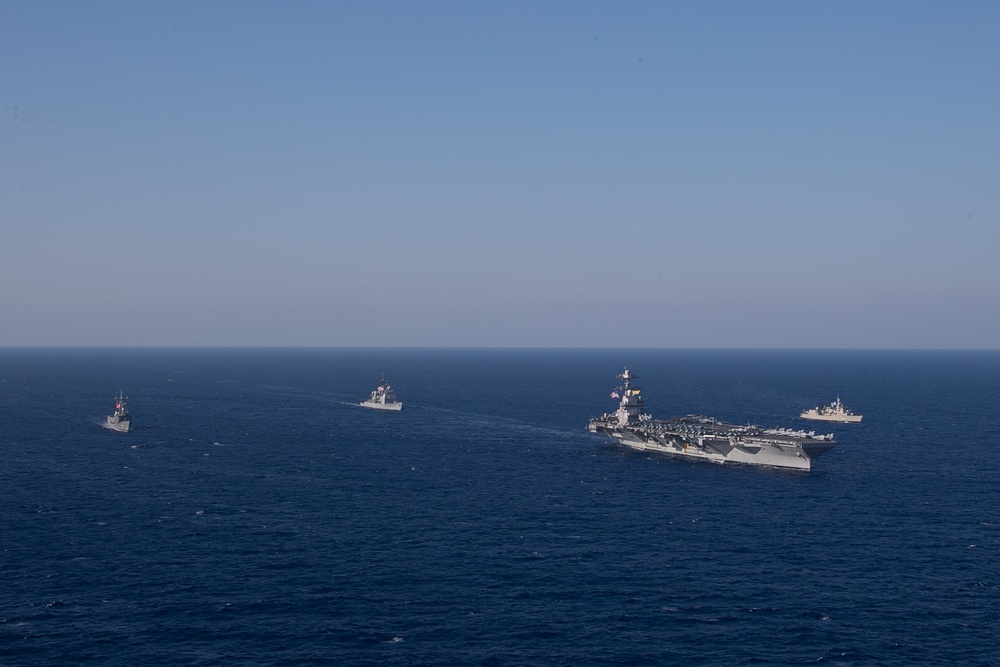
x: 121, y: 420
x: 835, y: 412
x: 695, y: 436
x: 383, y: 398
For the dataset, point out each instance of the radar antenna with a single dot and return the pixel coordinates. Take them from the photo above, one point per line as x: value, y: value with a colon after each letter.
x: 627, y: 377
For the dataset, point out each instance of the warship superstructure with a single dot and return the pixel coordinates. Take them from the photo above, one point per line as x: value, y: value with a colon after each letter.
x: 120, y: 419
x: 383, y: 398
x: 695, y: 436
x: 834, y: 412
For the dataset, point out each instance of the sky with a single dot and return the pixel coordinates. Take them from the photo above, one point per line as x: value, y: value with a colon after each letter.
x: 526, y: 174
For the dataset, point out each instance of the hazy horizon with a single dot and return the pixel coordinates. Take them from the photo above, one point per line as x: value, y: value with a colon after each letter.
x: 498, y: 348
x: 445, y: 174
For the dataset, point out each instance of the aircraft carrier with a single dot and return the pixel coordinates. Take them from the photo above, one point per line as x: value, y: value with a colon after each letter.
x: 698, y: 437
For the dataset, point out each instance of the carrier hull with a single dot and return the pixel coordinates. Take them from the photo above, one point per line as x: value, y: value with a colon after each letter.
x: 720, y: 443
x: 705, y: 438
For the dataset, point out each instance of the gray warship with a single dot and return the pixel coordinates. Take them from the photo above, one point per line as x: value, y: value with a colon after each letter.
x: 120, y: 420
x: 383, y: 398
x: 695, y: 436
x: 835, y: 412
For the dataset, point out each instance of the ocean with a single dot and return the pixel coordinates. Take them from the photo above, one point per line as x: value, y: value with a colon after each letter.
x: 257, y: 516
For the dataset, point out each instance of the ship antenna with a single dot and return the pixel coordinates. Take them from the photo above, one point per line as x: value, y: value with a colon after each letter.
x: 627, y: 377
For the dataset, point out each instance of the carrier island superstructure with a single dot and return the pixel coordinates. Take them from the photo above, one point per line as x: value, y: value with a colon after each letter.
x: 694, y: 436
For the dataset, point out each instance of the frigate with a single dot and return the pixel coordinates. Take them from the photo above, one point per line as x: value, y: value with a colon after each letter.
x: 120, y: 419
x: 699, y: 437
x: 834, y: 412
x: 383, y: 398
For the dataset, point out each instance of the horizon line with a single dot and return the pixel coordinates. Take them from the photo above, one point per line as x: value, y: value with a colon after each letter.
x: 499, y: 347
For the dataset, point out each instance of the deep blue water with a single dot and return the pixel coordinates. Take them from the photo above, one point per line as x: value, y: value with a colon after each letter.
x: 257, y: 516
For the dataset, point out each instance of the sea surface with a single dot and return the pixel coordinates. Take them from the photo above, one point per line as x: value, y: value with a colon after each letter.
x: 257, y: 516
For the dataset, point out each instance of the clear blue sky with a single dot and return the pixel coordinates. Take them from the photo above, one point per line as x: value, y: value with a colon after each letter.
x: 689, y: 174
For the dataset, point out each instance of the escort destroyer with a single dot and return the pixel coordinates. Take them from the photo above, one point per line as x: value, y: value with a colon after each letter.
x: 698, y: 437
x: 834, y: 412
x: 383, y: 398
x: 120, y: 419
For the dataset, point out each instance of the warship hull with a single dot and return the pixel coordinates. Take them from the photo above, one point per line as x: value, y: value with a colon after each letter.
x: 840, y: 419
x: 375, y: 405
x: 705, y: 439
x: 120, y: 426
